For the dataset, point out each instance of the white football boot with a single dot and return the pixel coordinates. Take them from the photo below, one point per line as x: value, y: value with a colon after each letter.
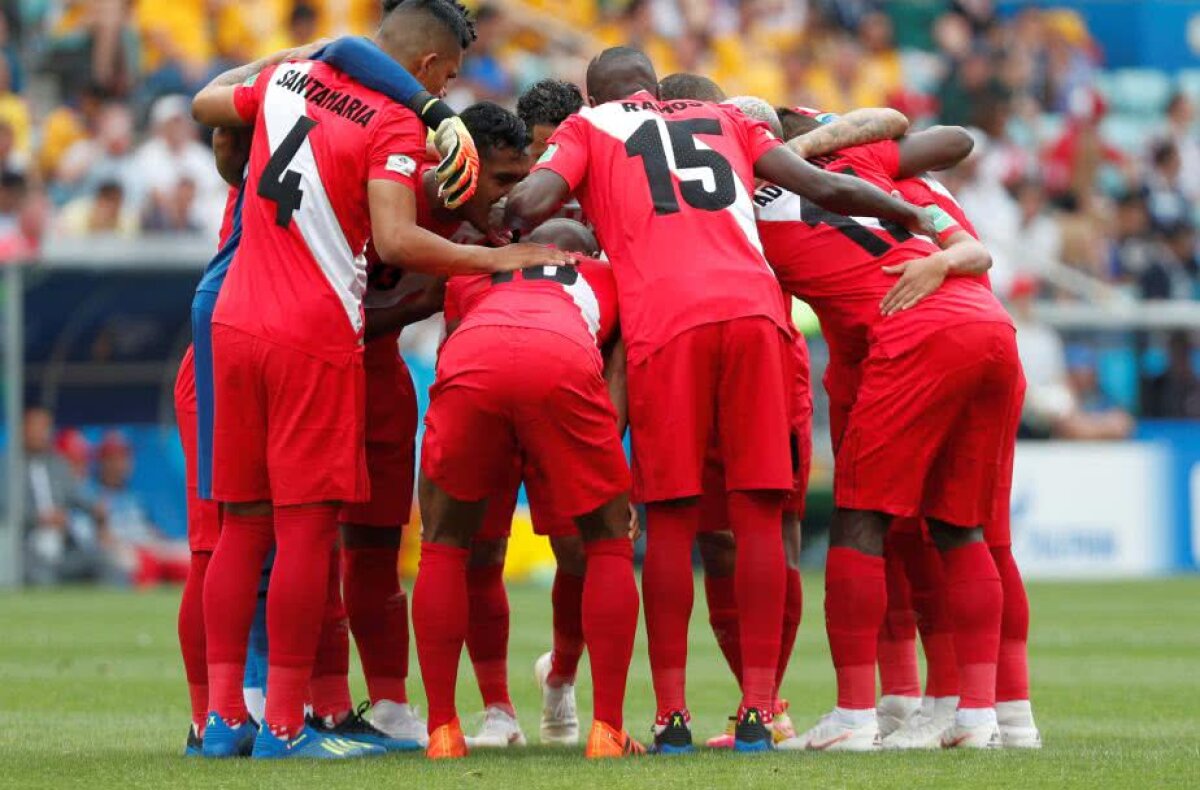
x: 974, y: 728
x: 399, y: 720
x: 893, y: 711
x: 1017, y: 728
x: 839, y: 731
x: 560, y: 722
x: 500, y: 730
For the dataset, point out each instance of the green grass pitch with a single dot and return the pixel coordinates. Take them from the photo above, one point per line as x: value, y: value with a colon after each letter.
x: 92, y: 695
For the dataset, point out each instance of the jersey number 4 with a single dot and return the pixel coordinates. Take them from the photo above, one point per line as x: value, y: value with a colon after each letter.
x: 280, y: 185
x: 712, y: 188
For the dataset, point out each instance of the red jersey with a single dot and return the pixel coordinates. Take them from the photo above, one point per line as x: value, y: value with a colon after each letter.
x: 928, y: 191
x: 835, y: 264
x: 668, y: 186
x: 319, y: 138
x: 578, y: 301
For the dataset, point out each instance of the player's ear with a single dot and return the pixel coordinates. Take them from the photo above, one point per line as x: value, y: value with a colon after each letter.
x: 425, y: 64
x: 592, y: 101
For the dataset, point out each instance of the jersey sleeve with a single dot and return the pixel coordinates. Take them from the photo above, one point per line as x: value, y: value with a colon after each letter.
x: 248, y: 97
x: 887, y: 152
x: 397, y: 147
x: 568, y: 151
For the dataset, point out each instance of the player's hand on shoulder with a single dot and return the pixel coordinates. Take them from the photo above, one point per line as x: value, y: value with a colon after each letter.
x: 524, y: 255
x: 919, y: 221
x: 917, y: 279
x: 306, y: 51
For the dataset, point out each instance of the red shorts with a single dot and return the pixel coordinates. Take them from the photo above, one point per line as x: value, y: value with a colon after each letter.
x: 203, y: 515
x: 802, y: 427
x: 997, y: 530
x: 288, y: 427
x: 727, y: 383
x: 391, y: 432
x: 497, y: 520
x: 927, y: 432
x: 507, y: 392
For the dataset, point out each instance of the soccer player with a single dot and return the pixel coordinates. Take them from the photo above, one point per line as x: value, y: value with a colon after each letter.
x: 906, y: 442
x: 523, y: 374
x: 544, y: 107
x: 668, y: 185
x: 331, y: 162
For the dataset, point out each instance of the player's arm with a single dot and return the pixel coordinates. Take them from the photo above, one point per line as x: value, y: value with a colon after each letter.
x: 535, y: 200
x: 231, y: 148
x: 215, y: 106
x: 839, y: 193
x: 614, y: 375
x: 401, y: 242
x: 938, y: 148
x: 366, y: 63
x: 857, y: 127
x: 384, y: 320
x: 963, y: 256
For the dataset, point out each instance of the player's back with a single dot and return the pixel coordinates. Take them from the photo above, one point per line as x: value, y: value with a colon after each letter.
x: 318, y: 138
x: 577, y: 301
x: 836, y: 263
x: 668, y: 186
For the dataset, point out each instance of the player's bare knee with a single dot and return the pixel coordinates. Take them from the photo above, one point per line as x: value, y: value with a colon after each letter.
x: 610, y: 521
x: 947, y: 537
x: 487, y: 553
x: 446, y: 520
x: 364, y: 536
x: 249, y: 508
x: 568, y: 553
x: 861, y: 530
x: 718, y: 553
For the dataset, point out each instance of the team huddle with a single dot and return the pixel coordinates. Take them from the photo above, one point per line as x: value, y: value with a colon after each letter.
x: 621, y: 263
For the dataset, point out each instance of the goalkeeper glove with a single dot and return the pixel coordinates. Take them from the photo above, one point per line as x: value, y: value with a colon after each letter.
x: 458, y: 173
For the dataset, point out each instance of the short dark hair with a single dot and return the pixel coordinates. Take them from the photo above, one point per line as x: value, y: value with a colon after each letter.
x: 689, y: 86
x: 795, y: 123
x: 451, y: 13
x: 493, y: 127
x: 549, y: 102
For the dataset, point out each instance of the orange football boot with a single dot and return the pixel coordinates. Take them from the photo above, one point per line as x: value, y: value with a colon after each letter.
x: 447, y: 742
x: 604, y: 742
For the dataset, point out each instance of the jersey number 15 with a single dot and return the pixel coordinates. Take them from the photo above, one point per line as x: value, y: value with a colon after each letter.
x: 713, y: 187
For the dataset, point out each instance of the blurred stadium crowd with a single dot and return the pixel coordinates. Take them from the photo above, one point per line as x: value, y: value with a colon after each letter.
x: 1078, y: 169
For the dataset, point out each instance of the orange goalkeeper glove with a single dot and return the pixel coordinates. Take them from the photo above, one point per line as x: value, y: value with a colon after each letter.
x: 458, y: 173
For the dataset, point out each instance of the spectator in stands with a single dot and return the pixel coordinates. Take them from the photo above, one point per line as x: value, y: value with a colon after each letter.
x: 1173, y: 272
x: 104, y: 214
x: 14, y: 242
x: 1166, y: 199
x: 1072, y: 163
x: 1038, y: 230
x: 1051, y: 407
x: 135, y: 545
x: 14, y: 112
x: 95, y: 43
x: 183, y: 190
x: 1135, y: 247
x: 56, y: 550
x: 103, y: 156
x: 882, y: 59
x: 484, y: 73
x: 1174, y: 393
x: 1179, y: 129
x: 11, y: 160
x: 178, y: 45
x: 841, y: 82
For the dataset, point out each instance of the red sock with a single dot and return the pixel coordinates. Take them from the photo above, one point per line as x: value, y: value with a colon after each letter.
x: 855, y: 605
x: 1012, y: 673
x: 976, y: 604
x: 487, y: 634
x: 191, y: 637
x: 793, y: 609
x: 230, y: 596
x: 304, y: 538
x: 927, y: 583
x: 610, y: 616
x: 329, y: 689
x: 760, y: 574
x: 898, y: 673
x: 378, y: 612
x: 567, y: 599
x: 723, y: 617
x: 439, y: 615
x: 667, y: 589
